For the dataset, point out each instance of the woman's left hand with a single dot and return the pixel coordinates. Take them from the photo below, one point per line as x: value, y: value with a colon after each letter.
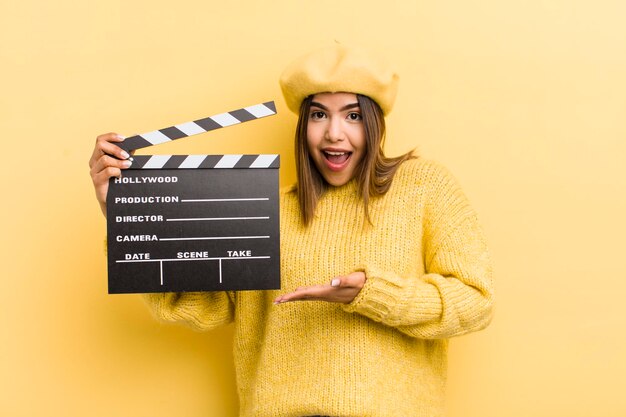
x: 340, y: 290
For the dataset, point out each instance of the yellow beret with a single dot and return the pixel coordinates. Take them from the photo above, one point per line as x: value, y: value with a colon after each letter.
x: 339, y: 69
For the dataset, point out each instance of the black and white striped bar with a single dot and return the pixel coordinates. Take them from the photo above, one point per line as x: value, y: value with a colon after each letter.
x: 205, y: 161
x: 196, y: 127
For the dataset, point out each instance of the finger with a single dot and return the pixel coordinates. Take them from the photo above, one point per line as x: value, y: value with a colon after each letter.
x: 102, y: 177
x: 310, y: 293
x: 106, y: 161
x: 317, y: 292
x: 110, y: 137
x: 105, y: 145
x: 106, y: 168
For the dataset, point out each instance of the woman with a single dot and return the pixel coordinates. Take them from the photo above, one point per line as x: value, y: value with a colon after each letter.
x: 390, y: 244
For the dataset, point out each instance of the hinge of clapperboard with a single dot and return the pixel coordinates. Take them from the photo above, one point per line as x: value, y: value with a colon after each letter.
x: 196, y: 127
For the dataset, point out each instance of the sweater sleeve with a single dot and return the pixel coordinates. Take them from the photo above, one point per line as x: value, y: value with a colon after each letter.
x: 199, y: 310
x: 455, y: 294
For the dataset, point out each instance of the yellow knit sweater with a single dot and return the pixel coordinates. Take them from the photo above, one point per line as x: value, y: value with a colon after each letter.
x: 383, y: 355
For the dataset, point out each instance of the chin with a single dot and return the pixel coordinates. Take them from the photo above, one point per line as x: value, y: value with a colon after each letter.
x: 336, y: 182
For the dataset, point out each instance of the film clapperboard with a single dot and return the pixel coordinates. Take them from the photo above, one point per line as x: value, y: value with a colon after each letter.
x: 194, y: 222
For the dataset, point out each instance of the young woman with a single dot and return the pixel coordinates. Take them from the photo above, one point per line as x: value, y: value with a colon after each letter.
x: 387, y: 252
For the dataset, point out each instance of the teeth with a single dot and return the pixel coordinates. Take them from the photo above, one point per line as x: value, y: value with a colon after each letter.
x: 335, y: 153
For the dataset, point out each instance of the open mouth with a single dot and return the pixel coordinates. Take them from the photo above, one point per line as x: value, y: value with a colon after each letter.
x: 337, y: 158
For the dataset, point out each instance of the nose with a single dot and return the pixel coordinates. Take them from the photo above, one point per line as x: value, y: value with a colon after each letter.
x: 334, y: 130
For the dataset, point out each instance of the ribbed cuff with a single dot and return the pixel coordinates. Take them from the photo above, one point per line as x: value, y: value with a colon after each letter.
x: 396, y: 301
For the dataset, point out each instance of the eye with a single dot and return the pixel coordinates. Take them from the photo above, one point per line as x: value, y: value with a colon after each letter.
x: 317, y: 114
x: 354, y: 116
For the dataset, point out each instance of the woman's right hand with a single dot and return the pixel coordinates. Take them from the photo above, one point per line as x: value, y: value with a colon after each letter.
x: 108, y: 160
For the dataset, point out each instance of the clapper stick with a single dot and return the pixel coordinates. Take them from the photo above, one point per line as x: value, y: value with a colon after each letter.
x: 204, y: 161
x: 195, y: 222
x: 196, y: 127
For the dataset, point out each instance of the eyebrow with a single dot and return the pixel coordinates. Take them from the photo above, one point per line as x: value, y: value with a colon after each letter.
x: 346, y: 107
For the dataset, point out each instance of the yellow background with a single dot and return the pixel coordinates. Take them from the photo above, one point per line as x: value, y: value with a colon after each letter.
x: 524, y: 101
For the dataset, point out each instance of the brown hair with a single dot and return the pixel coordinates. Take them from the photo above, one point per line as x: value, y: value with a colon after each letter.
x: 374, y: 174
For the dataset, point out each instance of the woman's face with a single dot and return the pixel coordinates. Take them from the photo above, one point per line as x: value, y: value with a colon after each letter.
x: 336, y: 136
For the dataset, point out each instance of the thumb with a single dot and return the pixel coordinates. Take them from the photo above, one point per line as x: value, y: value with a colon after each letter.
x: 355, y: 279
